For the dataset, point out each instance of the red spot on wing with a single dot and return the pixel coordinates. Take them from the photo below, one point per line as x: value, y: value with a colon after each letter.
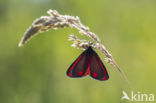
x: 105, y: 78
x: 80, y: 73
x: 70, y: 74
x: 95, y: 75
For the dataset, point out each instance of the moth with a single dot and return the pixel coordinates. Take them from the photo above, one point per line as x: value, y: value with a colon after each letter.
x: 88, y: 63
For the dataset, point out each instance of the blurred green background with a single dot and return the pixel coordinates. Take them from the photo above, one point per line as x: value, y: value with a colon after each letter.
x: 36, y: 72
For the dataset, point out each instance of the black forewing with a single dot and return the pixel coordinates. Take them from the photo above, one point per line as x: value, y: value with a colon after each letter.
x: 79, y: 66
x: 97, y: 69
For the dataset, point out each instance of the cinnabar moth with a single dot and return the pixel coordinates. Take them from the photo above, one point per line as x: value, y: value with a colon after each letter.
x: 88, y: 63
